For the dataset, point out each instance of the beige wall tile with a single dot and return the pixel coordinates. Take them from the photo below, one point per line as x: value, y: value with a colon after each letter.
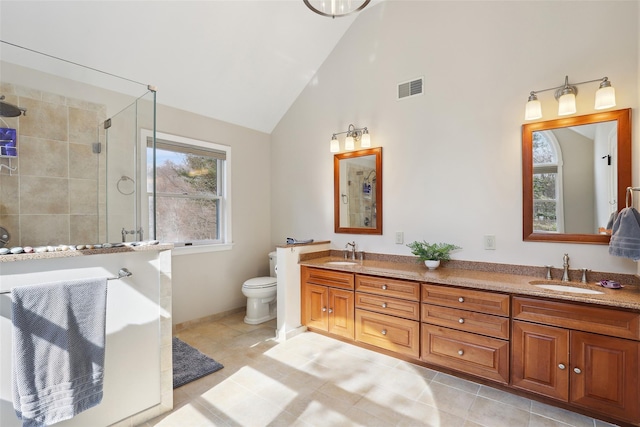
x: 54, y: 98
x: 43, y: 157
x: 44, y: 195
x: 7, y: 88
x: 83, y: 197
x: 11, y: 223
x: 28, y: 92
x: 9, y: 194
x: 37, y: 230
x: 83, y: 229
x: 44, y: 120
x: 83, y: 162
x: 83, y: 126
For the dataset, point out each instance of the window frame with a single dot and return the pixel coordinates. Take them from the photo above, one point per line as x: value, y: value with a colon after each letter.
x: 224, y: 191
x: 551, y: 139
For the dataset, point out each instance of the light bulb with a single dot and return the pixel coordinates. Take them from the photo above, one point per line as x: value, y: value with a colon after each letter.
x: 334, y: 145
x: 567, y: 104
x: 349, y: 143
x: 533, y: 109
x: 365, y: 141
x: 605, y: 97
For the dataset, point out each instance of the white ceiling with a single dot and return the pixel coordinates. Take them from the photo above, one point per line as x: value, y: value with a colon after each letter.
x: 243, y: 62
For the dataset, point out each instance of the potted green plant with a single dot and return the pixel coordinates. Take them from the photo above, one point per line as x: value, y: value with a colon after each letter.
x: 432, y: 253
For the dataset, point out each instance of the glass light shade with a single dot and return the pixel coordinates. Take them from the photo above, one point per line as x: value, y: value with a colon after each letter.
x: 567, y: 104
x: 349, y: 143
x: 334, y: 146
x: 335, y: 8
x: 533, y: 110
x: 365, y: 142
x: 605, y: 98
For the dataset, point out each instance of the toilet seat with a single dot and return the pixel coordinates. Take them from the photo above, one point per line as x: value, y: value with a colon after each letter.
x: 260, y: 283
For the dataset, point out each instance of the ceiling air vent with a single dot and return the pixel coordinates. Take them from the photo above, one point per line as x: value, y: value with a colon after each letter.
x: 410, y: 88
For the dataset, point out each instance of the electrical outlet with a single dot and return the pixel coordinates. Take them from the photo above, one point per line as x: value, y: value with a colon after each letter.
x: 399, y: 237
x: 490, y: 242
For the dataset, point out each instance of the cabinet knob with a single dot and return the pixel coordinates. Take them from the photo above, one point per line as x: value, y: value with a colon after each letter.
x: 384, y: 287
x: 460, y: 299
x: 561, y: 366
x: 461, y: 320
x: 331, y: 310
x: 384, y: 305
x: 383, y: 332
x: 577, y: 370
x: 324, y: 308
x: 460, y: 352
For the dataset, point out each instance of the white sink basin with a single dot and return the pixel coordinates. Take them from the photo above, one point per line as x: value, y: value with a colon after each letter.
x: 341, y: 263
x: 566, y: 288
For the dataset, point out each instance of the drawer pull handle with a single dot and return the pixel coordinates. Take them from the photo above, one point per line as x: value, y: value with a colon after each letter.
x: 461, y: 320
x: 324, y: 308
x: 383, y: 332
x: 384, y: 287
x: 384, y: 305
x: 577, y: 370
x: 460, y: 352
x: 460, y: 299
x: 561, y: 366
x: 331, y: 310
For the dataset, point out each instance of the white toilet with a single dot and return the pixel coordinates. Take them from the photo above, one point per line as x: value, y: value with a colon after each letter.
x: 261, y: 295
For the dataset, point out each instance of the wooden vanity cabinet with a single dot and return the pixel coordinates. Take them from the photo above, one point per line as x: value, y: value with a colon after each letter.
x: 388, y: 314
x: 555, y: 359
x: 328, y: 301
x: 466, y: 330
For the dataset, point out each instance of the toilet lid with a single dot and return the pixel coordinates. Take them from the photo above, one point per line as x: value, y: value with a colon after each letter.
x: 260, y: 282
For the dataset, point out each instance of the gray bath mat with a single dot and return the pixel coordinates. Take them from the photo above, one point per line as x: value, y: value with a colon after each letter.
x: 189, y: 364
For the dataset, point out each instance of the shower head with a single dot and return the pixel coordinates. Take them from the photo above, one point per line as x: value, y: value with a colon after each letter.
x: 10, y: 110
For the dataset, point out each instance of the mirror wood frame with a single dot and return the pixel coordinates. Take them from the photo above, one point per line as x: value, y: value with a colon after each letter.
x: 623, y: 118
x: 336, y: 191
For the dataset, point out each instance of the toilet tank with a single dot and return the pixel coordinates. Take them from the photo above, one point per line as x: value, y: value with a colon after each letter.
x: 273, y: 259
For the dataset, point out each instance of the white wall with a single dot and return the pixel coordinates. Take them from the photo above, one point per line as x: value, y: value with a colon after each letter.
x: 451, y: 158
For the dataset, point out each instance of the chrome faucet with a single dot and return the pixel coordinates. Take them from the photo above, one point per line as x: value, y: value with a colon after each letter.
x: 565, y: 264
x: 352, y: 250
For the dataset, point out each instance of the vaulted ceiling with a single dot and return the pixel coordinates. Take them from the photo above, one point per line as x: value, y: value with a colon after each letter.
x: 243, y: 62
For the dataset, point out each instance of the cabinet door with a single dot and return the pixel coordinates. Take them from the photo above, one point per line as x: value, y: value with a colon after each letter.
x: 315, y: 305
x: 604, y: 375
x: 540, y: 359
x: 341, y: 312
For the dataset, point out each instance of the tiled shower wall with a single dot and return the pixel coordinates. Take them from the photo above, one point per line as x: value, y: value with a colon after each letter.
x: 54, y: 195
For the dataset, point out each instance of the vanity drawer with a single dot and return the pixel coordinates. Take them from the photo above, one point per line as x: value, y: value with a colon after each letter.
x: 600, y: 320
x: 318, y: 276
x: 466, y: 299
x: 388, y: 332
x: 386, y: 305
x: 468, y: 321
x: 388, y: 287
x: 474, y: 354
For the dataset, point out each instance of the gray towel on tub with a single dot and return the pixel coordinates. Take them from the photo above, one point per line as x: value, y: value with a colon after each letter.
x: 625, y: 235
x: 58, y: 349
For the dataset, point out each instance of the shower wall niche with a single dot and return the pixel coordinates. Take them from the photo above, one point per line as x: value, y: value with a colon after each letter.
x: 64, y: 189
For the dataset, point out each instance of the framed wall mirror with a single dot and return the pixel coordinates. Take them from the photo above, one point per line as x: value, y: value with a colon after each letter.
x: 357, y: 190
x: 575, y: 172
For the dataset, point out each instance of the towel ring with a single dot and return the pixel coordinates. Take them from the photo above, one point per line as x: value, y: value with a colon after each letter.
x: 125, y: 178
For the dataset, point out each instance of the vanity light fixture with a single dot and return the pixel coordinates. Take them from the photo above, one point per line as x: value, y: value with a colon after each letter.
x: 566, y: 97
x: 353, y: 134
x: 336, y: 8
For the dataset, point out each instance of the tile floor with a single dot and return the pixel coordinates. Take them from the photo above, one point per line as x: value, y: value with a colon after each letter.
x: 313, y: 380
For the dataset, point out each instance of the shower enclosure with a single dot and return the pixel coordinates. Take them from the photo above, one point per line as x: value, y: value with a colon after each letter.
x: 127, y: 215
x: 76, y: 172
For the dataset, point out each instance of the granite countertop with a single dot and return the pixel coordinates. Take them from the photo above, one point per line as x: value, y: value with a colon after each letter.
x: 83, y: 252
x: 517, y: 284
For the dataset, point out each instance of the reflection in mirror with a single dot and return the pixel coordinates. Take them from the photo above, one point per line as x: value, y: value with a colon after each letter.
x: 575, y: 172
x: 358, y: 192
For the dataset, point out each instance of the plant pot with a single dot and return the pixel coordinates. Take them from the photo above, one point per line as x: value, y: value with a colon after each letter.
x: 432, y: 265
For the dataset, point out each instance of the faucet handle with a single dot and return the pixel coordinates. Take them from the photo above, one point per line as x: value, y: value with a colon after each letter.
x: 584, y: 275
x: 548, y: 276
